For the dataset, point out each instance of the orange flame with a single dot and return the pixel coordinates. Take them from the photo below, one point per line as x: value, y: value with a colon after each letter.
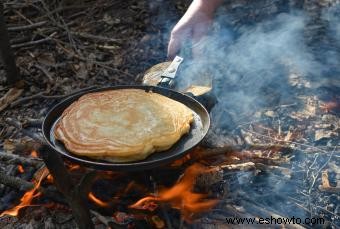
x: 26, y: 200
x: 21, y: 169
x: 49, y: 178
x: 99, y: 202
x: 180, y: 196
x: 34, y: 153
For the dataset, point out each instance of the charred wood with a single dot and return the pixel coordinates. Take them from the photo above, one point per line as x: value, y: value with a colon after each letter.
x: 12, y: 158
x: 15, y: 182
x: 23, y: 185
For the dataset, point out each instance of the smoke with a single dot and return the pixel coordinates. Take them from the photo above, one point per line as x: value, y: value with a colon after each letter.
x: 254, y: 65
x: 332, y: 15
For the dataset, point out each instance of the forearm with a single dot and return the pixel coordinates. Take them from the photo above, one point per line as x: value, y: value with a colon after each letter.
x: 207, y: 6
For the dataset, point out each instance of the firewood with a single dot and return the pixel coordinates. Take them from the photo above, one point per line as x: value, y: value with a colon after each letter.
x: 208, y: 178
x: 15, y: 182
x: 23, y: 185
x: 239, y: 167
x: 12, y: 158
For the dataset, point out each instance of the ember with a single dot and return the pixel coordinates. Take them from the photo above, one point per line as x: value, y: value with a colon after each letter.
x: 34, y: 153
x: 21, y: 169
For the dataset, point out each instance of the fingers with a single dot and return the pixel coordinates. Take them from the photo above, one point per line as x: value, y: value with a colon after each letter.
x: 174, y: 46
x: 179, y: 35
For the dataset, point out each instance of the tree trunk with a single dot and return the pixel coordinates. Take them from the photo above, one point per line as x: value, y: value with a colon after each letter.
x: 6, y: 54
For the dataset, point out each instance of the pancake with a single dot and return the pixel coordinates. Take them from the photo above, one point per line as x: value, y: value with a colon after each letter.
x: 122, y: 125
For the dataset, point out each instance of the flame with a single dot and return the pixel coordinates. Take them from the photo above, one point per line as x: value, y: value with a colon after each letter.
x: 99, y: 202
x: 34, y: 153
x: 49, y: 178
x: 180, y: 196
x: 27, y: 198
x: 21, y: 169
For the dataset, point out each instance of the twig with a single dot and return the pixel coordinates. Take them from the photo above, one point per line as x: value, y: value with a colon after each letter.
x: 30, y: 122
x: 45, y: 71
x: 26, y: 27
x: 319, y: 171
x: 96, y: 37
x: 287, y: 141
x: 29, y: 43
x: 242, y: 167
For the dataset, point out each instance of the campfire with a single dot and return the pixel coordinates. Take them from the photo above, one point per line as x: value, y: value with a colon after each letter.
x: 269, y: 82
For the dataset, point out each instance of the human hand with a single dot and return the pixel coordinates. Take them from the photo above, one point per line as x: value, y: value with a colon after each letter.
x: 193, y: 26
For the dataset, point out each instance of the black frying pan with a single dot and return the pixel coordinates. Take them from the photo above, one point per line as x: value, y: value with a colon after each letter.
x: 198, y: 130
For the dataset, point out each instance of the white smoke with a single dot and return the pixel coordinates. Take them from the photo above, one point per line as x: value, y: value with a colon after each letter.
x: 250, y: 67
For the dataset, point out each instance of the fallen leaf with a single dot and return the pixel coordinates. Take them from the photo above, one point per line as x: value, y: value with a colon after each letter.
x: 322, y: 134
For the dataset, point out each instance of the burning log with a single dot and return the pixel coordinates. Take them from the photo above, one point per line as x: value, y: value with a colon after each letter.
x: 23, y: 185
x: 27, y: 198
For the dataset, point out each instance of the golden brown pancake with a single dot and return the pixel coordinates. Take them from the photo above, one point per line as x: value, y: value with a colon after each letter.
x: 122, y: 125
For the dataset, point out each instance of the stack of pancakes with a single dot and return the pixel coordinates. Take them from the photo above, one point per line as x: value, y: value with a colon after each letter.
x: 122, y: 125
